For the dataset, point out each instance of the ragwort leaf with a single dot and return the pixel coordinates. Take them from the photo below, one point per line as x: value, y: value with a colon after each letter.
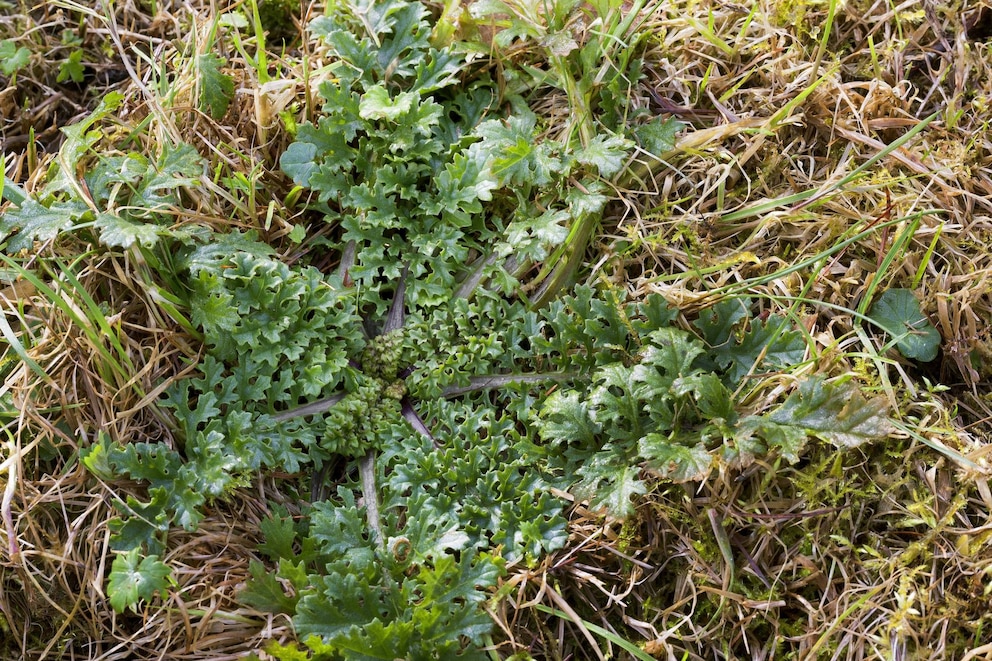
x: 516, y: 157
x: 679, y: 463
x: 614, y: 486
x: 657, y: 137
x: 717, y: 323
x: 772, y: 341
x: 116, y: 231
x: 216, y: 88
x: 265, y: 593
x: 607, y: 153
x: 836, y: 413
x: 35, y: 222
x: 179, y: 166
x: 565, y: 418
x: 378, y: 104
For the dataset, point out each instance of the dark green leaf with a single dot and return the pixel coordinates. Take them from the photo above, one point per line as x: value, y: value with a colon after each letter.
x: 216, y: 88
x: 717, y: 323
x: 772, y: 341
x: 674, y: 461
x: 657, y: 137
x: 279, y: 533
x: 898, y: 313
x: 565, y: 419
x: 79, y: 139
x: 265, y: 592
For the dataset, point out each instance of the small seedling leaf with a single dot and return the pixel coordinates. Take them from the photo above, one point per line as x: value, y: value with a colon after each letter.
x: 606, y: 153
x: 658, y: 136
x: 72, y: 68
x: 898, y: 313
x: 12, y: 58
x: 133, y: 579
x: 216, y: 88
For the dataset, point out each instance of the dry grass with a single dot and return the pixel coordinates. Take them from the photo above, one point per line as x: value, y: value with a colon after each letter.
x: 881, y: 552
x: 876, y: 553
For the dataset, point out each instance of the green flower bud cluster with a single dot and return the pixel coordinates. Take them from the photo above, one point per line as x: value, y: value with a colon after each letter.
x: 381, y: 357
x: 362, y: 417
x: 359, y: 420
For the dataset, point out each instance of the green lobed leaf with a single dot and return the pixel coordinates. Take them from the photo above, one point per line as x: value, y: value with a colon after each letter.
x: 216, y: 88
x: 534, y: 238
x: 717, y: 323
x: 71, y: 68
x: 753, y: 435
x: 669, y: 354
x: 280, y: 534
x: 12, y: 57
x: 516, y: 158
x: 112, y: 180
x: 34, y: 222
x: 657, y: 137
x: 265, y: 592
x: 613, y: 400
x: 146, y: 524
x: 711, y: 397
x: 378, y: 104
x: 611, y: 485
x: 771, y: 341
x: 677, y: 462
x: 607, y: 153
x: 117, y: 231
x: 178, y: 166
x: 837, y: 413
x: 566, y: 419
x: 79, y: 139
x: 364, y: 617
x: 134, y: 578
x: 898, y: 313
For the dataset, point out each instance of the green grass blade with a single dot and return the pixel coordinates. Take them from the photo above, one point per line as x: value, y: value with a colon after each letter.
x: 88, y: 328
x: 15, y: 343
x: 822, y: 194
x: 625, y: 645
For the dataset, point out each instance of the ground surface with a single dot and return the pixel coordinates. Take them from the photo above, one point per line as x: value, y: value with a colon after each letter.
x: 880, y: 551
